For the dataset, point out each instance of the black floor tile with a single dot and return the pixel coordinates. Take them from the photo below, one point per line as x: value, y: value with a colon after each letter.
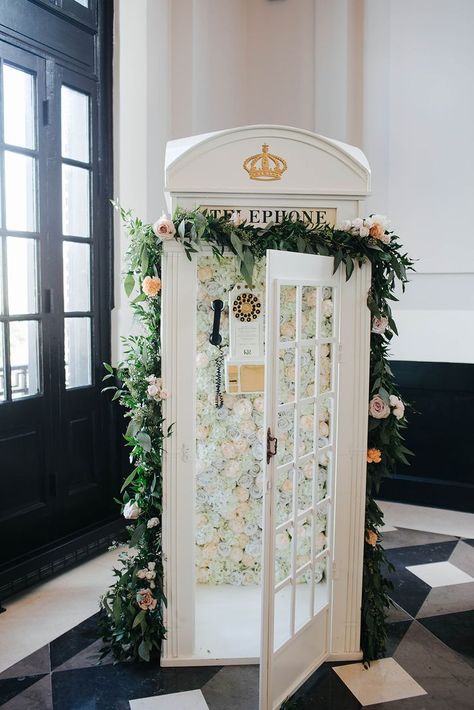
x: 233, y: 688
x: 9, y: 687
x: 111, y: 687
x: 395, y: 633
x: 73, y: 641
x: 456, y: 631
x: 323, y: 691
x: 409, y: 591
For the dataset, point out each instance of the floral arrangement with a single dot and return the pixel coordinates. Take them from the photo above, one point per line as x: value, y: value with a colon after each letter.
x: 228, y: 538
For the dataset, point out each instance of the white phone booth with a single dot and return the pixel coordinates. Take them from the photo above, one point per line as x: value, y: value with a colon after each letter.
x: 264, y: 474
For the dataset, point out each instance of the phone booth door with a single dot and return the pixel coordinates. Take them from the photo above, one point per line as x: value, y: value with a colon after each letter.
x: 306, y: 605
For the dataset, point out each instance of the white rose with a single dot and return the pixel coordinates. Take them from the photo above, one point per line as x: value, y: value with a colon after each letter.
x: 141, y: 574
x: 378, y: 408
x: 150, y: 574
x: 241, y: 494
x: 398, y: 408
x: 236, y: 219
x: 228, y: 450
x: 153, y: 391
x: 131, y: 510
x: 236, y: 554
x: 151, y: 565
x: 243, y: 408
x: 163, y: 394
x: 164, y: 228
x: 152, y: 523
x: 323, y: 429
x: 306, y: 422
x: 379, y: 325
x: 346, y: 226
x: 364, y: 232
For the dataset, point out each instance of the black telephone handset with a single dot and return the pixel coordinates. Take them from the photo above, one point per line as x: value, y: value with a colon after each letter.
x: 215, y: 337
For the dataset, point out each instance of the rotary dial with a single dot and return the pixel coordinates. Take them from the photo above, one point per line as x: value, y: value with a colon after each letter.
x: 246, y: 307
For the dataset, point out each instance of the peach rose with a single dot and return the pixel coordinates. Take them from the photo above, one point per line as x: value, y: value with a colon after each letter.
x: 374, y: 456
x: 151, y: 286
x: 378, y: 408
x: 145, y: 599
x: 164, y: 228
x: 371, y: 537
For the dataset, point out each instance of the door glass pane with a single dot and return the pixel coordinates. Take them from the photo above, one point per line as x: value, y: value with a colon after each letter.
x: 24, y: 358
x: 74, y: 124
x: 287, y: 313
x: 22, y: 278
x: 77, y: 352
x: 2, y: 363
x: 18, y: 107
x: 84, y: 3
x: 20, y: 192
x: 282, y: 617
x: 76, y: 276
x: 303, y: 610
x: 75, y: 185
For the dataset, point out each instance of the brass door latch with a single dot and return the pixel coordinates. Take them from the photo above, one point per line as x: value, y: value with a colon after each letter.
x: 272, y: 445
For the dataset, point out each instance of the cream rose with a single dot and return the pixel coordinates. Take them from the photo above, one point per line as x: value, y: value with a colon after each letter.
x: 164, y: 228
x: 204, y: 273
x: 131, y: 510
x: 145, y: 599
x: 152, y: 523
x: 378, y: 408
x: 236, y: 219
x: 398, y: 408
x: 228, y: 450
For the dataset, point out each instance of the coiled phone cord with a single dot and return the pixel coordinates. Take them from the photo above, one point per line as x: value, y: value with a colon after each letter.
x: 219, y: 400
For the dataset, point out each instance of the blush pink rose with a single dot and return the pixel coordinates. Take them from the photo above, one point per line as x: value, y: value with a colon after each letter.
x: 164, y: 228
x: 378, y: 408
x: 145, y: 599
x: 379, y: 325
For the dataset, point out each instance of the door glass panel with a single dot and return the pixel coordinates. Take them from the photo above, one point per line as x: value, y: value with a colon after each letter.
x: 284, y: 496
x: 75, y: 199
x: 74, y: 124
x: 307, y: 371
x: 24, y: 358
x: 304, y: 486
x: 306, y: 428
x: 77, y: 352
x: 309, y: 300
x: 326, y: 427
x: 20, y: 200
x: 18, y: 107
x: 282, y: 617
x: 285, y: 436
x: 327, y: 311
x: 84, y: 3
x: 287, y: 313
x: 325, y: 367
x: 22, y: 275
x: 283, y: 553
x: 304, y: 535
x: 2, y: 362
x: 320, y: 582
x: 303, y: 610
x: 76, y: 276
x: 286, y: 379
x: 325, y: 459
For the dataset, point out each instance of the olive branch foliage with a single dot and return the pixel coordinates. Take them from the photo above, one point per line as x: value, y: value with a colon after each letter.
x: 132, y: 633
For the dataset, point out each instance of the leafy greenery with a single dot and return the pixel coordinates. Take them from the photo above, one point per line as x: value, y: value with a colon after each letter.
x: 131, y: 632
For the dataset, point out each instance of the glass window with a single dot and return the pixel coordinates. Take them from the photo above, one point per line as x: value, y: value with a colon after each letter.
x: 22, y: 275
x: 20, y: 203
x: 74, y: 124
x: 76, y: 276
x: 77, y: 352
x: 24, y: 358
x: 18, y: 107
x: 75, y: 199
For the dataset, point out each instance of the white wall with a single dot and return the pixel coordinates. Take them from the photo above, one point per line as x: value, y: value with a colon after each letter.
x: 393, y: 77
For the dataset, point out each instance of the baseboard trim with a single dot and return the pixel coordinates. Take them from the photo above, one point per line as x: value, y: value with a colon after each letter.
x: 44, y: 563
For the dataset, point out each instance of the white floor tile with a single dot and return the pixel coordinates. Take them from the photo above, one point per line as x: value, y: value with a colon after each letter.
x: 56, y: 606
x: 388, y: 528
x: 190, y: 700
x: 440, y: 574
x: 383, y: 682
x: 436, y: 520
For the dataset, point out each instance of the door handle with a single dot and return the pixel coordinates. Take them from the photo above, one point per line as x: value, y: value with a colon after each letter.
x: 272, y: 445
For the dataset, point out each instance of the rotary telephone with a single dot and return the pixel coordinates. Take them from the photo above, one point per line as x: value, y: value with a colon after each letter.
x: 244, y: 366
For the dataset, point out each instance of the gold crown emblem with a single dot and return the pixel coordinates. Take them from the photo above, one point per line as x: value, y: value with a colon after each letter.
x: 265, y: 166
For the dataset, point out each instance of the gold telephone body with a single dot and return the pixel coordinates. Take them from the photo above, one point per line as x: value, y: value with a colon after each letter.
x: 244, y: 366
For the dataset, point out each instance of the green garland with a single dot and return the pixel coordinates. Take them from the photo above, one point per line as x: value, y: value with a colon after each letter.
x: 132, y: 621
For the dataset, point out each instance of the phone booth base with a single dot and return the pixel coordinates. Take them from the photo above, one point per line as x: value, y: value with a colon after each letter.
x: 263, y: 555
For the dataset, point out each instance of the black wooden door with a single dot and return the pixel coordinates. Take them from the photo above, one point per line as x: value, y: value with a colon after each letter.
x: 56, y: 429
